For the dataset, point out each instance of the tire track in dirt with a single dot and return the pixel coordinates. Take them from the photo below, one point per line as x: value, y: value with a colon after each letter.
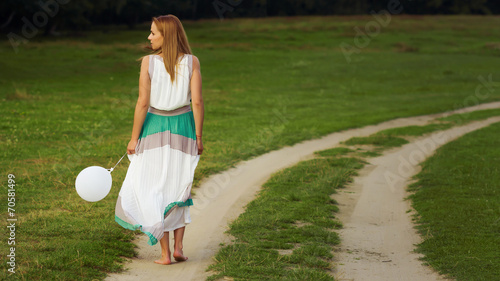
x: 378, y: 236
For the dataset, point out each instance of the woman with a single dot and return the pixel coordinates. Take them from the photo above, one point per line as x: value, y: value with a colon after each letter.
x: 166, y: 140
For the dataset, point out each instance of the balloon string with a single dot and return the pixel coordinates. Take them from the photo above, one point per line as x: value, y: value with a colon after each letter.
x: 111, y: 170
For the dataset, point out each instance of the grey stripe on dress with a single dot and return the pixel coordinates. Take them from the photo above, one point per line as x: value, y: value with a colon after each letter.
x: 156, y: 230
x: 174, y: 112
x: 177, y: 142
x: 119, y: 212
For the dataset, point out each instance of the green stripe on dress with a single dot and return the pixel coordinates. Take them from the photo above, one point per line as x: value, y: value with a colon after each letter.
x: 152, y: 240
x: 182, y: 124
x: 188, y: 202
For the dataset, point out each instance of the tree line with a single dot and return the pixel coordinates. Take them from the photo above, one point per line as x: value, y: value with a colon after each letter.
x: 49, y: 16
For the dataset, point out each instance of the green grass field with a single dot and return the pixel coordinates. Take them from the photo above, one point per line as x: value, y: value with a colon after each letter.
x: 267, y: 83
x: 458, y: 203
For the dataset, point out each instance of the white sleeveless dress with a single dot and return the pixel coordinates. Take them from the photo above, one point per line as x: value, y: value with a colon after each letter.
x: 156, y: 193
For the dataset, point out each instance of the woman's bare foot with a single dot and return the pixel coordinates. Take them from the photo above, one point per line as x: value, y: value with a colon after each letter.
x: 164, y: 261
x: 178, y: 256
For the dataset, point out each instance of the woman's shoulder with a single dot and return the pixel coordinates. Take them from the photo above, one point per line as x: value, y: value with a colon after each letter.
x: 196, y: 62
x: 146, y: 60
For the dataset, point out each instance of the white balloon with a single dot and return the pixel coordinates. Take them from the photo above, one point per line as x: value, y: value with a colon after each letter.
x: 93, y: 183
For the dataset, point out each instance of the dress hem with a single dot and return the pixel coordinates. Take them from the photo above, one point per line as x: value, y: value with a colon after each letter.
x: 152, y: 240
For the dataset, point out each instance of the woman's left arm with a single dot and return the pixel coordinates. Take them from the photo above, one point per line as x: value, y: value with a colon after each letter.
x: 198, y: 105
x: 142, y: 105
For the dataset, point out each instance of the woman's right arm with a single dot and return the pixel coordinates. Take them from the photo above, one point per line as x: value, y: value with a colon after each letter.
x: 197, y: 101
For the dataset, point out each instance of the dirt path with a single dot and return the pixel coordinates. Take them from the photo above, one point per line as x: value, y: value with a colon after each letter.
x: 221, y: 198
x: 378, y: 235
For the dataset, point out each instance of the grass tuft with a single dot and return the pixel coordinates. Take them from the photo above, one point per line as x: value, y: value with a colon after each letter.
x: 383, y: 141
x: 414, y: 130
x: 464, y: 118
x: 337, y: 151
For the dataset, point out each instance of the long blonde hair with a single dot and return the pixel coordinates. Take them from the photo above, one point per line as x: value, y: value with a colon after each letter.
x: 175, y: 42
